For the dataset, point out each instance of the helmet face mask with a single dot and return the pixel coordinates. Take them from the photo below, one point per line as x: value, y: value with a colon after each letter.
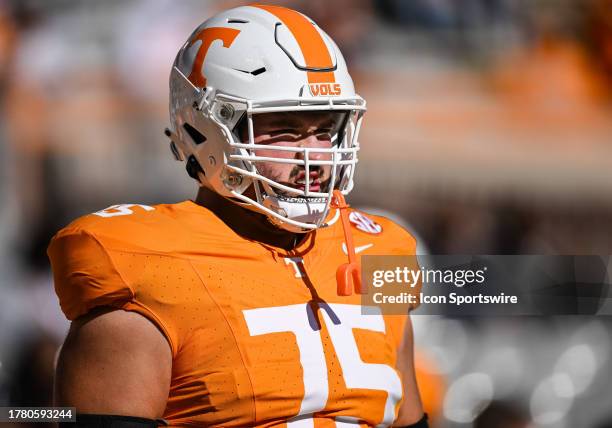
x: 218, y: 127
x: 283, y: 142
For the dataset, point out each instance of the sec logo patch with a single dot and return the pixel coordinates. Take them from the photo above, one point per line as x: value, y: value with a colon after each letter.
x: 364, y: 223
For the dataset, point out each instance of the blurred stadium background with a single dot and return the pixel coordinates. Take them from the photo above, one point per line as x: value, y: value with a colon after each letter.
x: 489, y: 131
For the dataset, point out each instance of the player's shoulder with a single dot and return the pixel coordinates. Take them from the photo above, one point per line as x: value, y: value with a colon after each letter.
x: 128, y: 225
x: 382, y: 228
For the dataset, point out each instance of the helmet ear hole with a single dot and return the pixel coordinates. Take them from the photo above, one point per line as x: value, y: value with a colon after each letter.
x: 193, y: 167
x: 196, y: 136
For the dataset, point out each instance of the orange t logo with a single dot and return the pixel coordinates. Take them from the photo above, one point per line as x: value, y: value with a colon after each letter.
x: 207, y: 36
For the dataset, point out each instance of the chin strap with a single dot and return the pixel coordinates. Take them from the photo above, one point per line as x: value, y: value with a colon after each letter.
x: 351, y: 270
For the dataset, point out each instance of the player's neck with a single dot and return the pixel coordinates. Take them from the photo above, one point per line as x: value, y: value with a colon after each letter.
x: 246, y: 223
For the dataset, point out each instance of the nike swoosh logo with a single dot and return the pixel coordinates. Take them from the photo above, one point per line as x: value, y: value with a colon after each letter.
x: 357, y: 249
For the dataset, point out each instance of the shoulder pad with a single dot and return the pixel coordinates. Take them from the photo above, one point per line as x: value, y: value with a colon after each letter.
x: 84, y: 274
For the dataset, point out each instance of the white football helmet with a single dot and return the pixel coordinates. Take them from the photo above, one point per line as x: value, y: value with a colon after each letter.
x: 248, y: 61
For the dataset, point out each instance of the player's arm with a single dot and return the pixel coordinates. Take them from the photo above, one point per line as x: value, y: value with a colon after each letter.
x: 411, y: 410
x: 114, y: 362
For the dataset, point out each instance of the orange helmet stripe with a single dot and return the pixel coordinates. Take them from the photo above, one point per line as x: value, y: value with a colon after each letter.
x: 316, y: 54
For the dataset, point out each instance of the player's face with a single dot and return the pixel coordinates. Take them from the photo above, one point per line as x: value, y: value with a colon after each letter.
x: 314, y: 130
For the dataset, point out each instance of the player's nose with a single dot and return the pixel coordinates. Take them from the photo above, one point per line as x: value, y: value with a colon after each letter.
x: 312, y: 143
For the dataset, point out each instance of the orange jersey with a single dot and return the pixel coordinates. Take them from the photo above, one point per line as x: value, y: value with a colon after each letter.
x: 259, y: 336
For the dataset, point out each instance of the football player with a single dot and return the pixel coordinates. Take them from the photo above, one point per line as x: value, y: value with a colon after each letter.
x: 237, y: 309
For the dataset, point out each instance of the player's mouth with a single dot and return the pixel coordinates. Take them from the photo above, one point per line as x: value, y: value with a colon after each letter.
x: 314, y: 181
